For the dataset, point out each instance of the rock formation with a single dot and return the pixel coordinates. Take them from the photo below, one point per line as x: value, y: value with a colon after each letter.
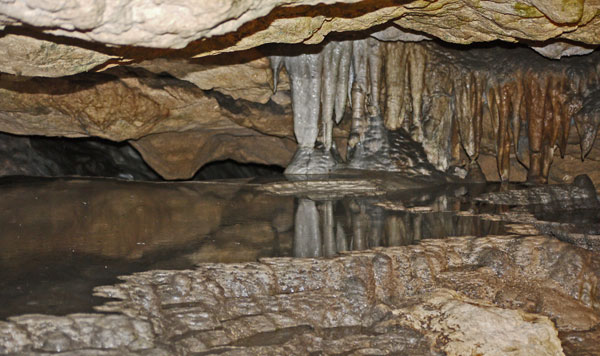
x: 412, y: 92
x: 394, y: 300
x: 513, y: 106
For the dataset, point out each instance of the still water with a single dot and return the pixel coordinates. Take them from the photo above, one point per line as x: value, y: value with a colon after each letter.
x: 59, y: 238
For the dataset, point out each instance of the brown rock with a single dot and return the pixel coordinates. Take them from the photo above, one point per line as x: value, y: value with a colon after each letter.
x: 126, y: 104
x: 28, y: 56
x: 178, y: 155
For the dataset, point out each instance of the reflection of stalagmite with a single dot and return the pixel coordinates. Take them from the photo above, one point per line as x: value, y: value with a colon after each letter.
x: 307, y: 232
x: 376, y: 228
x: 341, y: 241
x: 360, y: 226
x: 329, y: 243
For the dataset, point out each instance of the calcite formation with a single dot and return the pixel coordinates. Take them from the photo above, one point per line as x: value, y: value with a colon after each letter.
x: 497, y: 106
x: 444, y: 98
x: 394, y: 300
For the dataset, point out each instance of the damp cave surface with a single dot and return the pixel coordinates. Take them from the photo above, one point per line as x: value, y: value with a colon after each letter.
x: 62, y: 237
x: 77, y: 214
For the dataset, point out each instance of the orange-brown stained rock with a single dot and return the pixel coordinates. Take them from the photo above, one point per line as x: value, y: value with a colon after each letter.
x: 178, y: 155
x: 133, y: 104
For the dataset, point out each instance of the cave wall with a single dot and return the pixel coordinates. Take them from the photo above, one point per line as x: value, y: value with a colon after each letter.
x: 125, y: 72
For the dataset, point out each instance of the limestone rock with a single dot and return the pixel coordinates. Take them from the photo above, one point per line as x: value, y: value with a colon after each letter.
x: 178, y: 155
x: 214, y: 27
x: 249, y: 77
x: 379, y: 293
x: 124, y: 104
x: 468, y: 327
x: 28, y: 56
x: 52, y: 157
x: 560, y: 49
x: 83, y: 35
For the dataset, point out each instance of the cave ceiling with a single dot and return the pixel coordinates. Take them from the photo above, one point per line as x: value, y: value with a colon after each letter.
x: 78, y: 35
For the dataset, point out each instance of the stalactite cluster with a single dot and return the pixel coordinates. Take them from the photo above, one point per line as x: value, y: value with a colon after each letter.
x: 446, y: 97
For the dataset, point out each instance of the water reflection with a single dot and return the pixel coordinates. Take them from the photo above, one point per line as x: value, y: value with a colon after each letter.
x: 327, y: 227
x: 62, y: 237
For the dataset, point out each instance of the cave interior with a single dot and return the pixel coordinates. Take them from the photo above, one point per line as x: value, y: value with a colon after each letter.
x: 278, y: 177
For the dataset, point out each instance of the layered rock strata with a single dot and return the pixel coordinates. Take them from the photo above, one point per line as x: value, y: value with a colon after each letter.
x: 379, y: 301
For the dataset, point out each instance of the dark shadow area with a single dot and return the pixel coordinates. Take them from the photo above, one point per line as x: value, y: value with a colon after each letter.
x: 230, y: 169
x: 39, y: 156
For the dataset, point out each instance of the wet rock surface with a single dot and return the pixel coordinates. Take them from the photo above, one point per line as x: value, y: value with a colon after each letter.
x: 390, y: 300
x: 428, y: 285
x: 52, y: 157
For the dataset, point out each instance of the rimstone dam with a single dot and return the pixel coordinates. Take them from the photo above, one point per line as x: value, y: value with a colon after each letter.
x: 299, y: 177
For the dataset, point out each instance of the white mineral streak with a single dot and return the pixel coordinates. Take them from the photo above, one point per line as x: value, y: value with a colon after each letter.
x: 394, y: 34
x: 559, y: 49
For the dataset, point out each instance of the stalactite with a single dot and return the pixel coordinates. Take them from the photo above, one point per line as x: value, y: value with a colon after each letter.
x: 305, y: 71
x: 359, y: 91
x: 416, y: 63
x: 500, y: 103
x: 468, y: 95
x: 531, y: 105
x: 535, y: 99
x: 587, y: 121
x: 336, y: 60
x: 554, y: 104
x: 516, y: 118
x: 394, y: 84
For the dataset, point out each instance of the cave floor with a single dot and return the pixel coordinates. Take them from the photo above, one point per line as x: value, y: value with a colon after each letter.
x: 343, y: 265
